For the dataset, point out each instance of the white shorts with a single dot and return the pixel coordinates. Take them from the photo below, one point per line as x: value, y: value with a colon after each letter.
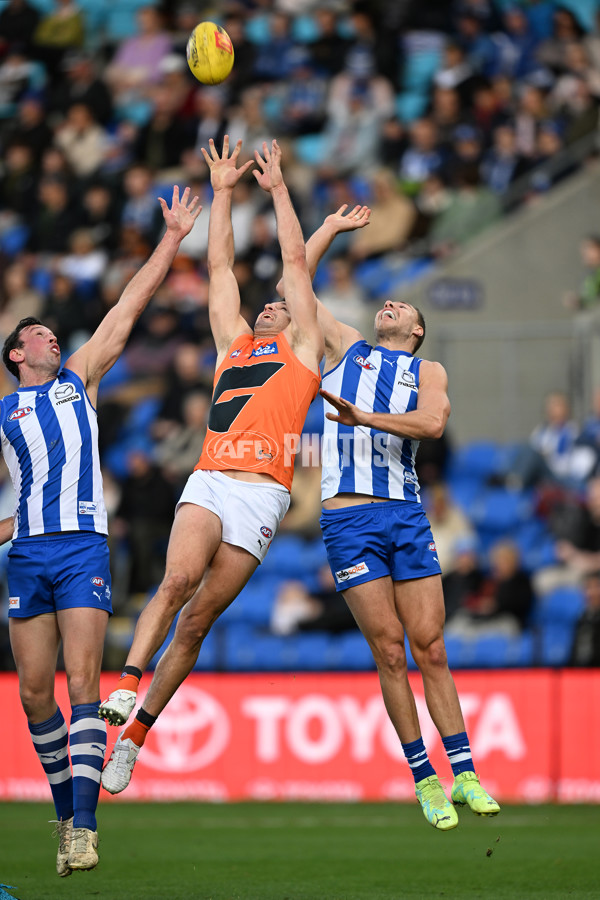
x: 250, y: 512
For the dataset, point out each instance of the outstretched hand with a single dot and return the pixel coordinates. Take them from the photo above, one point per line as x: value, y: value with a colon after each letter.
x: 270, y: 175
x: 348, y: 413
x: 182, y: 214
x: 224, y: 173
x: 356, y: 218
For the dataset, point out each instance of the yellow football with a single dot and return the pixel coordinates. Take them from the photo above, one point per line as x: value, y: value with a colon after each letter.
x: 209, y: 53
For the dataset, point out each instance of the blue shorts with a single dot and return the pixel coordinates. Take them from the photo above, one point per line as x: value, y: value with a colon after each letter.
x: 58, y: 571
x: 373, y: 540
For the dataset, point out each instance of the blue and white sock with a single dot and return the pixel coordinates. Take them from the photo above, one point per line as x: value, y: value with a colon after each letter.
x: 87, y: 740
x: 459, y: 752
x: 50, y: 739
x: 417, y: 759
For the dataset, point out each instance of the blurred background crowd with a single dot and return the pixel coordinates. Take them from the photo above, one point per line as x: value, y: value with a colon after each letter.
x: 441, y: 116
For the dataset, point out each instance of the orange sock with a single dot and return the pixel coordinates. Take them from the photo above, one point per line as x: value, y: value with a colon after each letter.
x: 129, y: 683
x: 136, y: 732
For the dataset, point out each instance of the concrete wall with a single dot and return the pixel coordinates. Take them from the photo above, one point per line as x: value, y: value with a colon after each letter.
x: 520, y: 342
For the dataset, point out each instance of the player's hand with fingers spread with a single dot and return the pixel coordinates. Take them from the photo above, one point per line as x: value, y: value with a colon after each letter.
x: 343, y: 221
x: 224, y: 174
x: 270, y: 175
x: 348, y: 413
x: 182, y: 214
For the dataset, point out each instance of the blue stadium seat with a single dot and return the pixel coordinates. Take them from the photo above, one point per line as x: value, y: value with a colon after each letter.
x: 500, y: 511
x: 491, y: 651
x: 520, y: 651
x: 556, y: 643
x: 307, y: 652
x: 254, y: 603
x: 475, y: 461
x: 349, y: 652
x: 562, y: 605
x: 285, y: 557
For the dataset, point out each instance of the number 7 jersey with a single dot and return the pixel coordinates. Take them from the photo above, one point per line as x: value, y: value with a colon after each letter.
x: 260, y: 400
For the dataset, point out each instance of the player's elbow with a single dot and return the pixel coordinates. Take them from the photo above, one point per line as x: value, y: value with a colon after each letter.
x: 295, y: 258
x: 436, y: 426
x: 218, y: 265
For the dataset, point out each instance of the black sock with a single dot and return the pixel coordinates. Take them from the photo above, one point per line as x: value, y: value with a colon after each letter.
x: 145, y: 718
x: 132, y: 670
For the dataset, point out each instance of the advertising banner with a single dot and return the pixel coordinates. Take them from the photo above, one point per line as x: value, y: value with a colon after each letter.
x: 533, y: 735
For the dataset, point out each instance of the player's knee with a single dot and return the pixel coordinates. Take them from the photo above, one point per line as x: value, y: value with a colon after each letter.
x: 36, y: 701
x: 431, y: 655
x: 82, y: 686
x: 177, y: 588
x: 390, y: 656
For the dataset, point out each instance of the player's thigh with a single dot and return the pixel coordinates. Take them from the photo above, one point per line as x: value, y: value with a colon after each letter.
x: 420, y: 608
x: 194, y: 540
x: 373, y: 606
x: 229, y: 570
x: 35, y: 641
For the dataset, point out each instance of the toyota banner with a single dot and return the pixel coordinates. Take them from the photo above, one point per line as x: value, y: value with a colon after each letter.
x: 534, y: 735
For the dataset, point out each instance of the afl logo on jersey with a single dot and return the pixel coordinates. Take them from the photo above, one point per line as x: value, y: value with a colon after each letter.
x: 20, y: 413
x: 266, y: 532
x: 66, y: 393
x: 96, y: 580
x: 363, y: 363
x: 235, y: 354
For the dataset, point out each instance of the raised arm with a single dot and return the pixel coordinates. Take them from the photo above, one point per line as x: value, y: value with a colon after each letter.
x: 223, y: 292
x: 96, y: 357
x: 306, y: 338
x: 428, y: 420
x: 337, y: 335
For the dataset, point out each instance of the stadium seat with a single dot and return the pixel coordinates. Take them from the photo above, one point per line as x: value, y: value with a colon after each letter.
x: 562, y: 605
x: 285, y: 557
x: 520, y: 650
x: 254, y: 603
x: 349, y: 651
x: 307, y: 652
x: 477, y: 461
x: 556, y: 642
x: 499, y: 511
x: 490, y: 651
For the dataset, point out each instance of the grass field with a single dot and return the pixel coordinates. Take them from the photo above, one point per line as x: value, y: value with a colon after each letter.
x: 247, y: 851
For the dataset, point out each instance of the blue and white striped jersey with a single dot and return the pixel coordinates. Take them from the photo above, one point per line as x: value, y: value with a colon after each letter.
x: 49, y: 439
x: 363, y: 460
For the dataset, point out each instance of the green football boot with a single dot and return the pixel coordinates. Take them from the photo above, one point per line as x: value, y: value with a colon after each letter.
x: 466, y: 791
x: 437, y: 809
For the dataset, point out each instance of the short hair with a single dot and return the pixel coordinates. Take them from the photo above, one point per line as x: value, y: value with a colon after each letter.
x: 14, y: 341
x: 421, y: 322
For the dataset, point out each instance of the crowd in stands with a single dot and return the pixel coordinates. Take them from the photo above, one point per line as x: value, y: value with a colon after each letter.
x: 441, y: 116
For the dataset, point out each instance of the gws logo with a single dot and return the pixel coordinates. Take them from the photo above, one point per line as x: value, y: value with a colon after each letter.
x: 66, y: 393
x: 408, y: 380
x: 266, y: 532
x: 363, y: 363
x: 20, y: 413
x: 265, y: 350
x: 352, y: 571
